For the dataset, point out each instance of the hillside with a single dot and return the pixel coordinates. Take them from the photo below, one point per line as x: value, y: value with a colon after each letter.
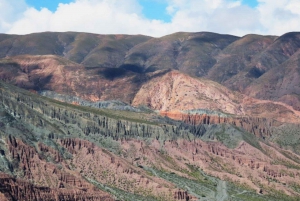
x: 164, y: 90
x: 238, y: 63
x: 54, y: 73
x: 188, y: 116
x: 43, y: 142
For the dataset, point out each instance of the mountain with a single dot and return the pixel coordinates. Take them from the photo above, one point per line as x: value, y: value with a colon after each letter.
x: 280, y: 83
x: 187, y: 116
x: 265, y: 67
x: 164, y: 90
x: 54, y: 73
x: 235, y: 67
x: 238, y: 63
x: 175, y: 91
x: 191, y: 53
x: 88, y: 49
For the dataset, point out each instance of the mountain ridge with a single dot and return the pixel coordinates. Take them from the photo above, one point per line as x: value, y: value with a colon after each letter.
x: 188, y: 116
x: 236, y: 62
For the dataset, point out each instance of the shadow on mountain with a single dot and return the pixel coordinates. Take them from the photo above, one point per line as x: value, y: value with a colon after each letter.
x: 10, y: 69
x: 144, y: 77
x: 133, y: 68
x: 151, y: 69
x: 255, y: 73
x: 37, y: 83
x: 112, y: 73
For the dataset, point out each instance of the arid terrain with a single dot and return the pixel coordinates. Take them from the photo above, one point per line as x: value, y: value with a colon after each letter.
x: 188, y: 116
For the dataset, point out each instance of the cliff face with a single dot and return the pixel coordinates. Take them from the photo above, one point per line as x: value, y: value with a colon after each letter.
x: 261, y: 127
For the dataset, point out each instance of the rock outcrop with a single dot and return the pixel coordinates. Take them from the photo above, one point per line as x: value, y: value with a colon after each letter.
x: 70, y: 150
x: 182, y: 195
x: 260, y: 127
x: 17, y: 189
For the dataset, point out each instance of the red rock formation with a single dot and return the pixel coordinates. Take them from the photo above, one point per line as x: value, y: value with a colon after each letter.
x: 16, y: 189
x: 111, y: 169
x: 255, y: 125
x: 59, y: 183
x: 183, y: 195
x: 45, y: 149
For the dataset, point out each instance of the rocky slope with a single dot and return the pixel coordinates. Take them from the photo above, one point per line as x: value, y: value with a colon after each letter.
x: 279, y: 83
x: 244, y: 64
x: 188, y: 116
x: 59, y: 150
x: 62, y: 76
x: 164, y: 90
x: 175, y: 92
x: 17, y: 189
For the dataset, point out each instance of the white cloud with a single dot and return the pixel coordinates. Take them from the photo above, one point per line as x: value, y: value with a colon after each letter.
x: 116, y: 17
x: 10, y: 11
x: 224, y: 16
x: 97, y: 16
x: 278, y: 17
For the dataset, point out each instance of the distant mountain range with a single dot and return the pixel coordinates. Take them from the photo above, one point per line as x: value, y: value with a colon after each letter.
x: 188, y: 116
x: 263, y: 67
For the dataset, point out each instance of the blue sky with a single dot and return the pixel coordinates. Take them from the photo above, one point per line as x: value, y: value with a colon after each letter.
x: 50, y: 4
x: 251, y: 3
x: 155, y: 10
x: 152, y: 9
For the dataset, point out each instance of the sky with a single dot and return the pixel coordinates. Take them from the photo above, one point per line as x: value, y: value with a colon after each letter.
x: 150, y: 17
